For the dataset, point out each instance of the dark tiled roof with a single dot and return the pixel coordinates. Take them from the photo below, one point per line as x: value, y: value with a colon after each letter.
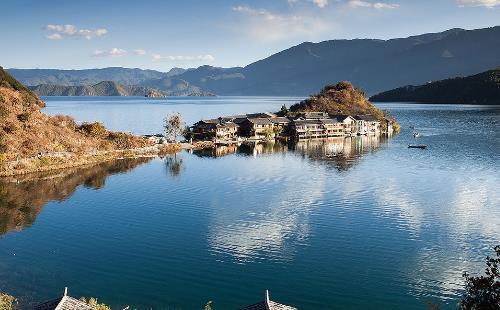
x: 64, y: 303
x: 308, y: 122
x: 279, y: 120
x: 228, y: 124
x: 210, y: 121
x: 272, y: 306
x: 367, y: 117
x: 329, y: 121
x: 233, y: 117
x: 316, y: 115
x: 49, y: 305
x: 258, y: 306
x: 261, y: 115
x: 239, y: 120
x: 340, y: 118
x: 259, y: 121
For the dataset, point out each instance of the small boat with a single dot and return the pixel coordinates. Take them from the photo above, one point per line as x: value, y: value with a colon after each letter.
x: 416, y: 134
x: 417, y: 146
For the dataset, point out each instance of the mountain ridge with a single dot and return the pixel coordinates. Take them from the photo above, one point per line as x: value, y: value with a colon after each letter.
x: 373, y: 64
x: 482, y: 88
x: 111, y: 88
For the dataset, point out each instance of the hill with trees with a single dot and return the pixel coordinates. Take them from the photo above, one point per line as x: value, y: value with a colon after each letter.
x: 483, y: 88
x: 31, y: 140
x: 342, y: 98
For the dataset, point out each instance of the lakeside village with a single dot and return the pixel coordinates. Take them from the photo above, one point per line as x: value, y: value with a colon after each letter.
x: 261, y: 127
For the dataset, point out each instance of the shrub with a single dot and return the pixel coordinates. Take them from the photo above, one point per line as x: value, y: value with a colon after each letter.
x: 3, y: 111
x: 94, y: 304
x: 170, y: 148
x: 3, y: 143
x: 23, y: 117
x: 9, y: 127
x: 124, y: 140
x: 64, y: 121
x: 7, y: 302
x: 95, y: 129
x: 483, y: 292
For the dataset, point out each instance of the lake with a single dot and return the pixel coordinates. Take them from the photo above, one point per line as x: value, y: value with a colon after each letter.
x: 357, y: 223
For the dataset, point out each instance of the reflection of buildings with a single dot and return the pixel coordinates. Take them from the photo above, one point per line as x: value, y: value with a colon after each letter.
x: 218, y: 151
x: 340, y: 151
x: 304, y: 125
x: 20, y: 202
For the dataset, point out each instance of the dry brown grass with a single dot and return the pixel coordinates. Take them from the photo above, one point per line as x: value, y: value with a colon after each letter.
x: 26, y: 132
x: 169, y: 148
x: 342, y: 98
x: 33, y: 141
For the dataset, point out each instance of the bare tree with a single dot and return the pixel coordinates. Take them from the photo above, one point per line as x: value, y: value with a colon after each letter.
x: 173, y: 125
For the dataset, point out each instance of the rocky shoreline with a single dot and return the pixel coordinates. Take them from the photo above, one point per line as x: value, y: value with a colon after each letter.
x: 58, y: 161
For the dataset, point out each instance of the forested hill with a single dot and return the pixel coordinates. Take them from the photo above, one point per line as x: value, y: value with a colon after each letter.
x: 483, y: 88
x: 110, y: 88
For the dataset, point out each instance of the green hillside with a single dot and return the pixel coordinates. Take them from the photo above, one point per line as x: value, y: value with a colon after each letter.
x: 482, y: 88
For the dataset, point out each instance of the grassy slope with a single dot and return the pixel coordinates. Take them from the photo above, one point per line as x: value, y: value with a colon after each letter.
x: 340, y: 99
x: 25, y: 131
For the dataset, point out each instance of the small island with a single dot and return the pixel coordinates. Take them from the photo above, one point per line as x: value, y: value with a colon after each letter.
x: 340, y: 110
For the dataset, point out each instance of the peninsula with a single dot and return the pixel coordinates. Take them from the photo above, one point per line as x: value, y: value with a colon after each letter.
x: 338, y: 110
x: 482, y: 88
x: 31, y: 141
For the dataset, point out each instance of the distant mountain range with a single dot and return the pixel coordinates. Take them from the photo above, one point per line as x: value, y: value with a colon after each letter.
x: 111, y: 88
x: 105, y: 88
x: 374, y: 65
x: 483, y: 88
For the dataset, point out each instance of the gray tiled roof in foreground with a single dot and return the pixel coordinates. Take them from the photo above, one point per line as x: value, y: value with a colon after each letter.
x: 64, y: 303
x: 268, y: 305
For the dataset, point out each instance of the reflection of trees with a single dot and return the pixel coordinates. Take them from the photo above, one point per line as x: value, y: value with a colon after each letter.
x: 216, y: 151
x: 22, y: 199
x: 340, y: 153
x: 174, y: 165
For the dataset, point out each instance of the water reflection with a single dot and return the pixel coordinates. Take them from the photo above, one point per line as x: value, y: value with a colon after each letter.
x: 341, y: 153
x: 174, y: 165
x: 22, y: 198
x: 276, y: 225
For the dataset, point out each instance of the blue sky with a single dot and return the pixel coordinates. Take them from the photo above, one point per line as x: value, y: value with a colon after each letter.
x: 163, y: 34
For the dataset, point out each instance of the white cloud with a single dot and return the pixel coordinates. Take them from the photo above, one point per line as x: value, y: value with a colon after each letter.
x: 485, y: 3
x: 200, y: 58
x: 114, y: 52
x: 268, y: 26
x: 375, y: 5
x: 54, y: 36
x: 320, y: 3
x: 58, y: 32
x: 140, y: 52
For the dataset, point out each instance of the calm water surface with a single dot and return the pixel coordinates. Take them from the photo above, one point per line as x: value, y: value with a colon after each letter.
x: 358, y: 223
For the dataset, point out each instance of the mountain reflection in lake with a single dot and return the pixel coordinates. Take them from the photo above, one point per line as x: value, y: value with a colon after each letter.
x: 22, y: 198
